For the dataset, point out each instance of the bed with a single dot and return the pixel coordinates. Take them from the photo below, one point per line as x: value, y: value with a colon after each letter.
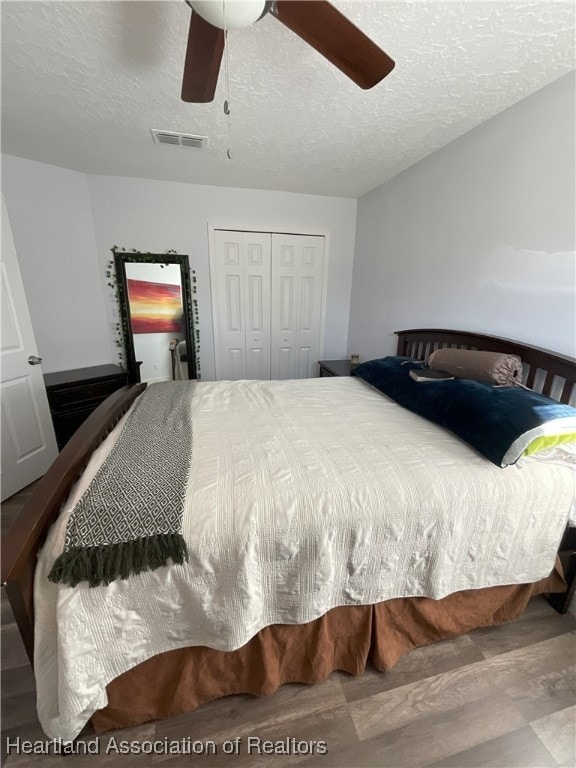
x: 321, y: 628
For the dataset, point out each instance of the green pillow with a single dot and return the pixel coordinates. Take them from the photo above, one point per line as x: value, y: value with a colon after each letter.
x: 544, y: 442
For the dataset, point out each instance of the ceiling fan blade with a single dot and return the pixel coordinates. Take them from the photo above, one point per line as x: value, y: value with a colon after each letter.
x: 202, y: 63
x: 327, y: 30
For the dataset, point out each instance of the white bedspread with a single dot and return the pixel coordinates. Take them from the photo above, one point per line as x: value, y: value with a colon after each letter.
x: 302, y: 496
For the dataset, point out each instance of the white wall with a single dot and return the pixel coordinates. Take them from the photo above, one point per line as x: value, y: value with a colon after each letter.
x: 65, y: 224
x: 51, y: 219
x: 479, y: 236
x: 156, y: 215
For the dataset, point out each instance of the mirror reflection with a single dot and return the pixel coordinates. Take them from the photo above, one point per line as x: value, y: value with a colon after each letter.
x: 154, y: 297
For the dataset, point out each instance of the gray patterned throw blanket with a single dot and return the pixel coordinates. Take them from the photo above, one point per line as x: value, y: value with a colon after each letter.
x: 130, y: 518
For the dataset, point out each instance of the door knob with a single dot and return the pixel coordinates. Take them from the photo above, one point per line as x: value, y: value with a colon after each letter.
x: 33, y: 360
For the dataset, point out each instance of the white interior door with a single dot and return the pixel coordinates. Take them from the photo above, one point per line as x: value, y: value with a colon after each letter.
x: 28, y: 441
x: 240, y: 276
x: 296, y: 301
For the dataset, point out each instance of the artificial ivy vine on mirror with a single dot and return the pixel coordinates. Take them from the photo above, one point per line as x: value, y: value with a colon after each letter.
x: 121, y: 328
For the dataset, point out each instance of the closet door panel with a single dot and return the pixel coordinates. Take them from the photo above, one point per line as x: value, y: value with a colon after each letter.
x: 233, y: 304
x: 258, y: 363
x: 297, y: 284
x: 228, y: 282
x: 311, y: 275
x: 305, y: 362
x: 241, y: 296
x: 285, y: 363
x: 257, y: 284
x: 234, y: 365
x: 283, y: 299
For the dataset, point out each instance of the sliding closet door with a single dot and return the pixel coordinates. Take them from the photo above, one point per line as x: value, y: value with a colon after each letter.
x: 296, y: 302
x: 241, y: 304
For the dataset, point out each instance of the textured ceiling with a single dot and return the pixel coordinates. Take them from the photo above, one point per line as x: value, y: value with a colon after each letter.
x: 83, y: 83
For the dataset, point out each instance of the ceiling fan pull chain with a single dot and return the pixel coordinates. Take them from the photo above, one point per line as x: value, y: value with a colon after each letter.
x: 227, y: 75
x: 227, y: 101
x: 227, y: 113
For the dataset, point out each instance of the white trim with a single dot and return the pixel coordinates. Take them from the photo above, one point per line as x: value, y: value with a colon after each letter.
x: 278, y: 230
x: 274, y: 230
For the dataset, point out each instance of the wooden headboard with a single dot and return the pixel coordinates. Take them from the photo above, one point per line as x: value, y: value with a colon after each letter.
x: 543, y: 371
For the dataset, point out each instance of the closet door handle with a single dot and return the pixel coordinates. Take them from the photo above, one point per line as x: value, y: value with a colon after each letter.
x: 33, y: 360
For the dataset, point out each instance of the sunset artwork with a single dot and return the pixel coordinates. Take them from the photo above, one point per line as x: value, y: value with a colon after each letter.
x: 155, y: 307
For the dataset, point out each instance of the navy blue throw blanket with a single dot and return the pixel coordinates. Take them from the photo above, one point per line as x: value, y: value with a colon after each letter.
x: 487, y: 417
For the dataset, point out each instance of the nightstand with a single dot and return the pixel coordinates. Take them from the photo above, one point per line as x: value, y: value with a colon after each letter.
x: 567, y: 555
x: 334, y: 367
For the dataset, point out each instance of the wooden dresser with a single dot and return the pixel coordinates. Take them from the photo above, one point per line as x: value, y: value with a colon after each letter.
x: 73, y: 395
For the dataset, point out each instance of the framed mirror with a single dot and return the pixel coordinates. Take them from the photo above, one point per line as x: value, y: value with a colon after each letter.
x: 155, y: 302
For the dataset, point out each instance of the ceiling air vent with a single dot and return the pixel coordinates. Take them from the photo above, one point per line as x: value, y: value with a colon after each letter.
x: 194, y: 141
x: 179, y: 139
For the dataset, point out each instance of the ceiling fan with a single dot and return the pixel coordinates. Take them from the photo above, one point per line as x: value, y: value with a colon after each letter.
x: 317, y: 22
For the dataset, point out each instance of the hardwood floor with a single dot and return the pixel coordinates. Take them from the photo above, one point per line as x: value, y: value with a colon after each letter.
x: 503, y: 697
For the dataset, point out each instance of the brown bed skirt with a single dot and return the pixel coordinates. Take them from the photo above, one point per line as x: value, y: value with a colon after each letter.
x: 345, y: 639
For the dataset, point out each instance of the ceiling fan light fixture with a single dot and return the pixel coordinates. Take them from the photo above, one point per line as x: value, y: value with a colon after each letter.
x: 229, y: 14
x: 316, y: 22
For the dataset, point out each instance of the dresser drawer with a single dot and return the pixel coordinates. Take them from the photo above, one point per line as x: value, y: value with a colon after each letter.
x: 74, y: 395
x: 65, y: 424
x: 70, y: 397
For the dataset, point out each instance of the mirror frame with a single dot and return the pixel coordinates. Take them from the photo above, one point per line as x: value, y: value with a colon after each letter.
x: 121, y: 258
